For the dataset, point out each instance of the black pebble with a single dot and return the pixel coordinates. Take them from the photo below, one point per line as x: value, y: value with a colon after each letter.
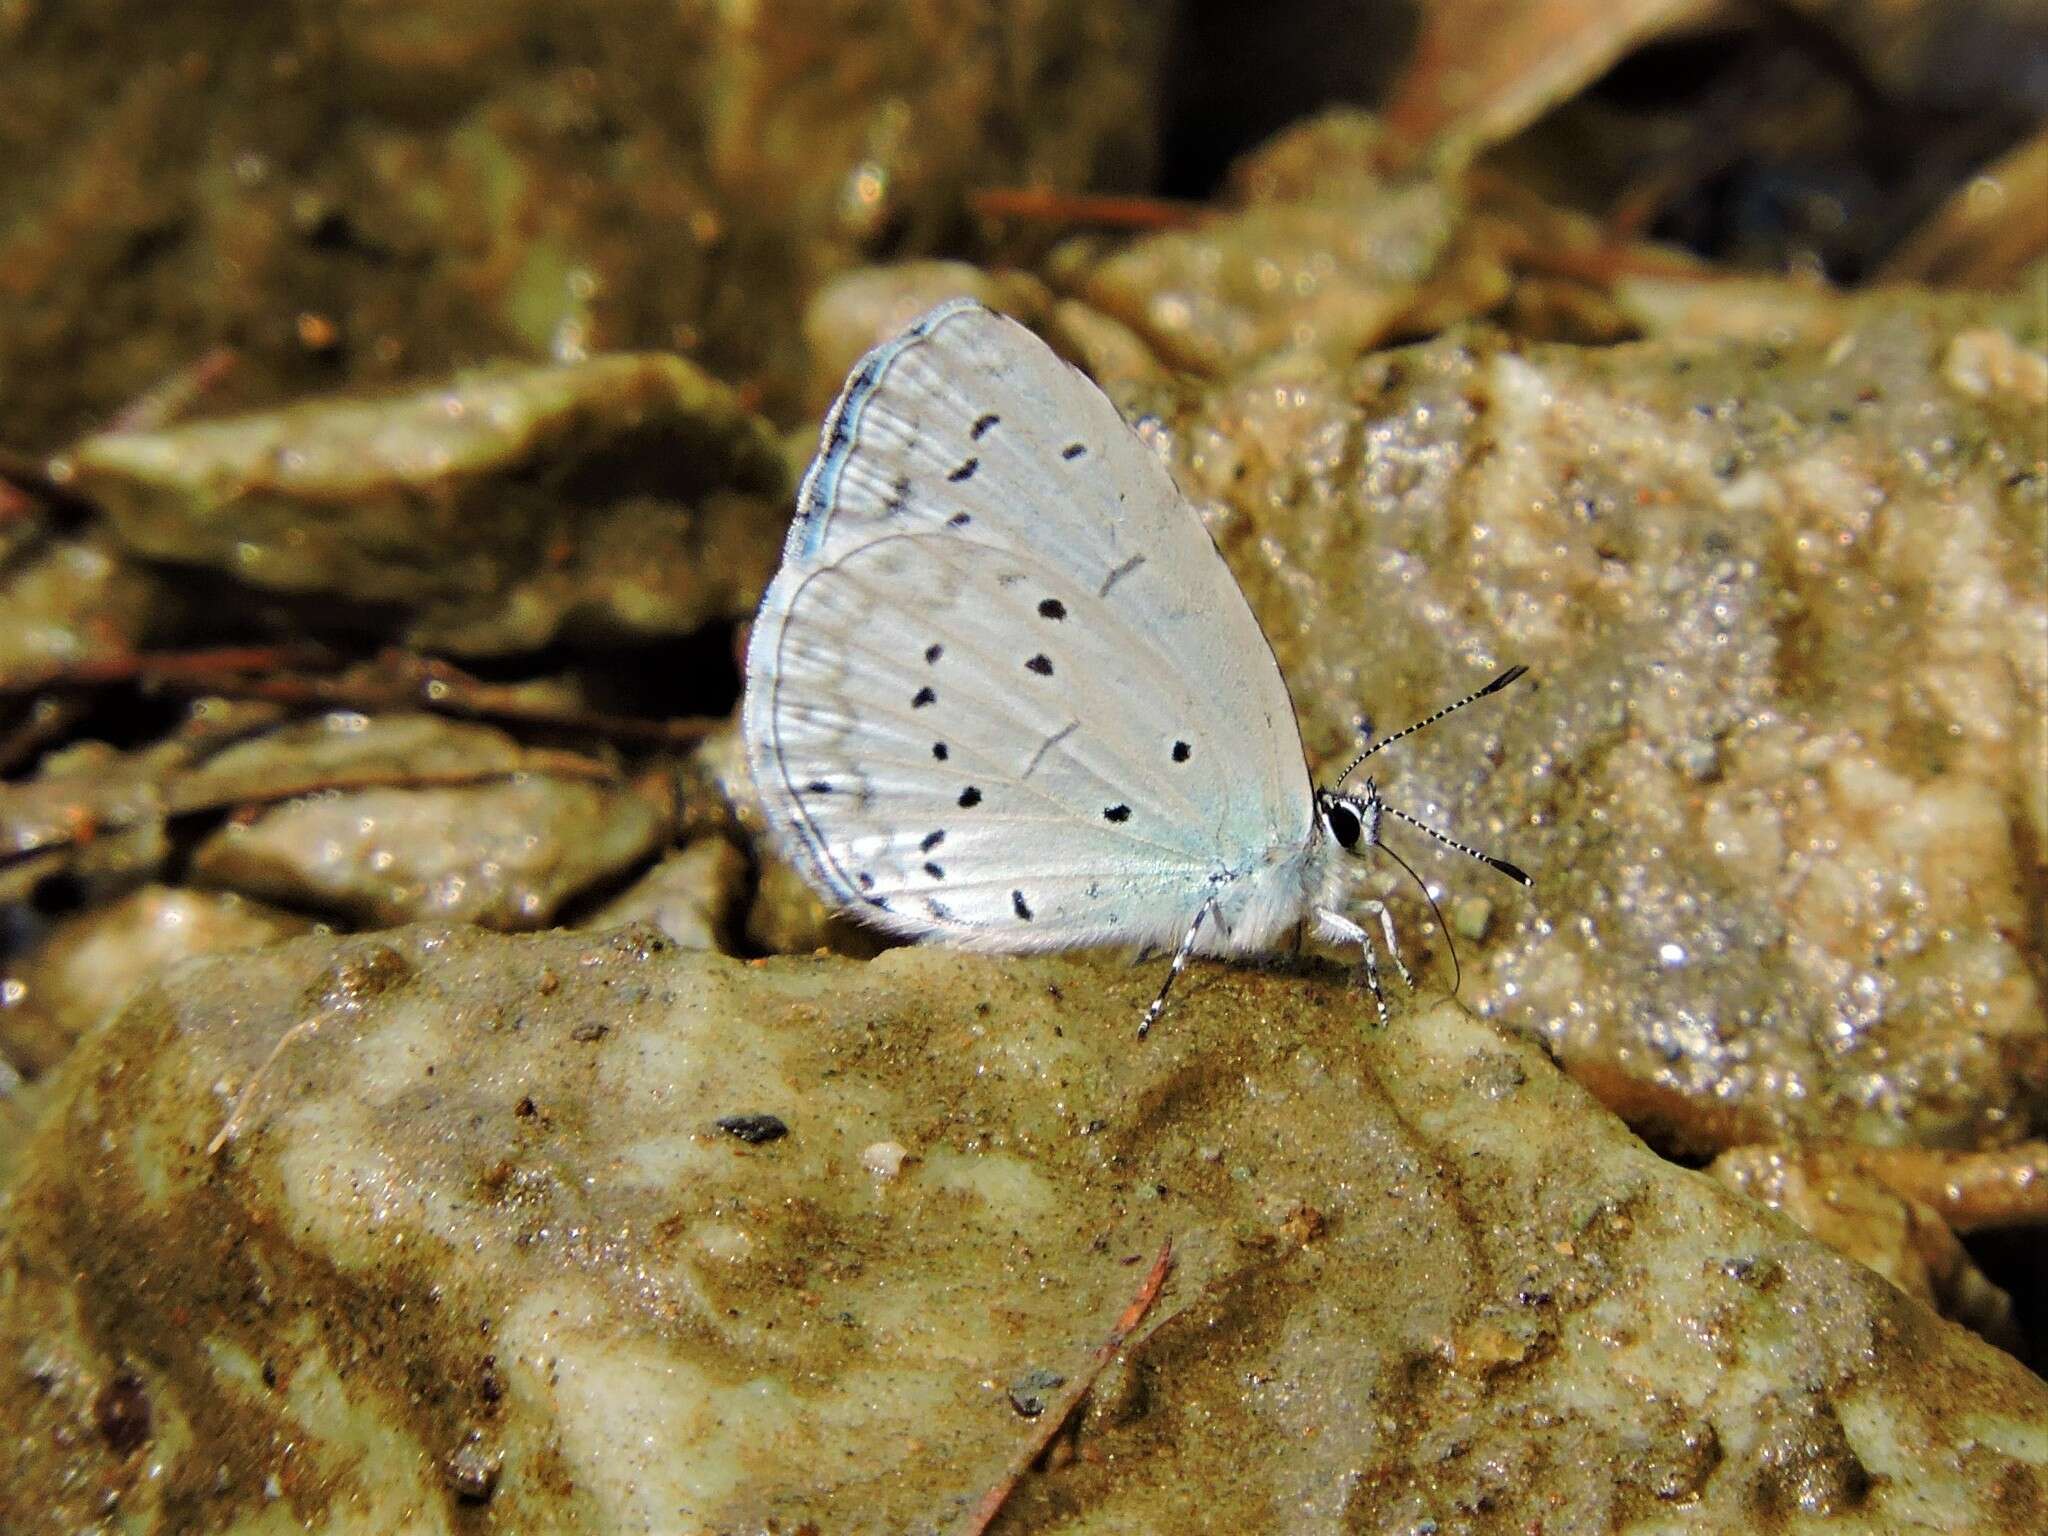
x: 754, y: 1130
x: 1029, y: 1392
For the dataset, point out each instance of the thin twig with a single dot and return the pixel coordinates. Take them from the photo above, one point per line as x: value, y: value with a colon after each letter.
x: 233, y: 1123
x: 1048, y: 205
x: 163, y: 403
x: 191, y: 793
x: 441, y: 690
x: 1055, y: 1417
x: 268, y: 674
x: 201, y: 790
x: 484, y: 703
x: 201, y: 667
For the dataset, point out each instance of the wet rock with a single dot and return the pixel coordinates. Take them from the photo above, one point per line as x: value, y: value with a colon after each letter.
x: 692, y: 896
x: 621, y: 497
x: 21, y: 1102
x: 513, y: 180
x: 64, y: 601
x: 1782, y: 889
x: 1851, y: 1210
x: 1805, y: 1460
x: 87, y: 965
x: 1328, y: 256
x: 785, y: 916
x: 92, y: 821
x: 473, y: 1469
x: 506, y: 852
x: 120, y: 1411
x: 464, y: 1248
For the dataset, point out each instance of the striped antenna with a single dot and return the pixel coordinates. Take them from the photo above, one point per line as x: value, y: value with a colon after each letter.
x: 1513, y: 872
x: 1449, y: 709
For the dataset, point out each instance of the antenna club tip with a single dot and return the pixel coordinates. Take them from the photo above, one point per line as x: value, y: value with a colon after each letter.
x: 1504, y: 679
x: 1518, y: 875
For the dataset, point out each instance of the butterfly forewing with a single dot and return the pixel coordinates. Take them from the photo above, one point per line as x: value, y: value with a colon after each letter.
x: 1004, y: 688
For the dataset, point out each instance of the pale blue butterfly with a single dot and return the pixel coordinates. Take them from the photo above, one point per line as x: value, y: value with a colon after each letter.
x: 1005, y: 694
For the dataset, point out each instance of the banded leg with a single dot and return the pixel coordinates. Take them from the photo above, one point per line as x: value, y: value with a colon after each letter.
x: 1180, y: 962
x: 1339, y: 929
x: 1386, y: 918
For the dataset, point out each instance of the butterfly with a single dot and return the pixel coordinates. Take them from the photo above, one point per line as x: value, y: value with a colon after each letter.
x: 1004, y: 693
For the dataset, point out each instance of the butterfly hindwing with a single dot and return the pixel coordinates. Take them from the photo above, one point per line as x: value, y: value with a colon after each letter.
x: 1004, y: 688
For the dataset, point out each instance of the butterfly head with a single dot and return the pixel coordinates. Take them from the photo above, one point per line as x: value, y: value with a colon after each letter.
x: 1351, y: 820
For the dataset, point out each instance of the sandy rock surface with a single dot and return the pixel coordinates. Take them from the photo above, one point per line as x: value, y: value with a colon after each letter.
x: 89, y: 964
x: 589, y: 1232
x: 623, y: 496
x: 506, y: 854
x: 1779, y: 772
x: 424, y: 187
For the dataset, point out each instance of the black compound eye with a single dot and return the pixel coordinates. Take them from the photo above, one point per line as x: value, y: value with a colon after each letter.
x: 1343, y: 824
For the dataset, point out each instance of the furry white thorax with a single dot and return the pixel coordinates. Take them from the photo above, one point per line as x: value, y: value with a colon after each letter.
x: 1311, y: 883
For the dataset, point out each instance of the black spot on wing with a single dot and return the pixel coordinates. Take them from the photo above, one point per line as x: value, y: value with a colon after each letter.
x: 867, y: 881
x: 899, y: 497
x: 969, y: 797
x: 1039, y: 664
x: 940, y: 751
x: 1117, y: 813
x: 982, y: 424
x: 935, y: 872
x: 922, y: 697
x: 958, y: 520
x: 932, y: 653
x: 964, y: 472
x: 1181, y: 750
x: 819, y: 787
x: 1072, y: 451
x: 1052, y: 608
x: 932, y: 840
x: 1018, y: 906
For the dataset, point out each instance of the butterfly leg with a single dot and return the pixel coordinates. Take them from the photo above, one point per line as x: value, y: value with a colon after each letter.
x: 1180, y: 962
x: 1379, y: 910
x: 1336, y: 928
